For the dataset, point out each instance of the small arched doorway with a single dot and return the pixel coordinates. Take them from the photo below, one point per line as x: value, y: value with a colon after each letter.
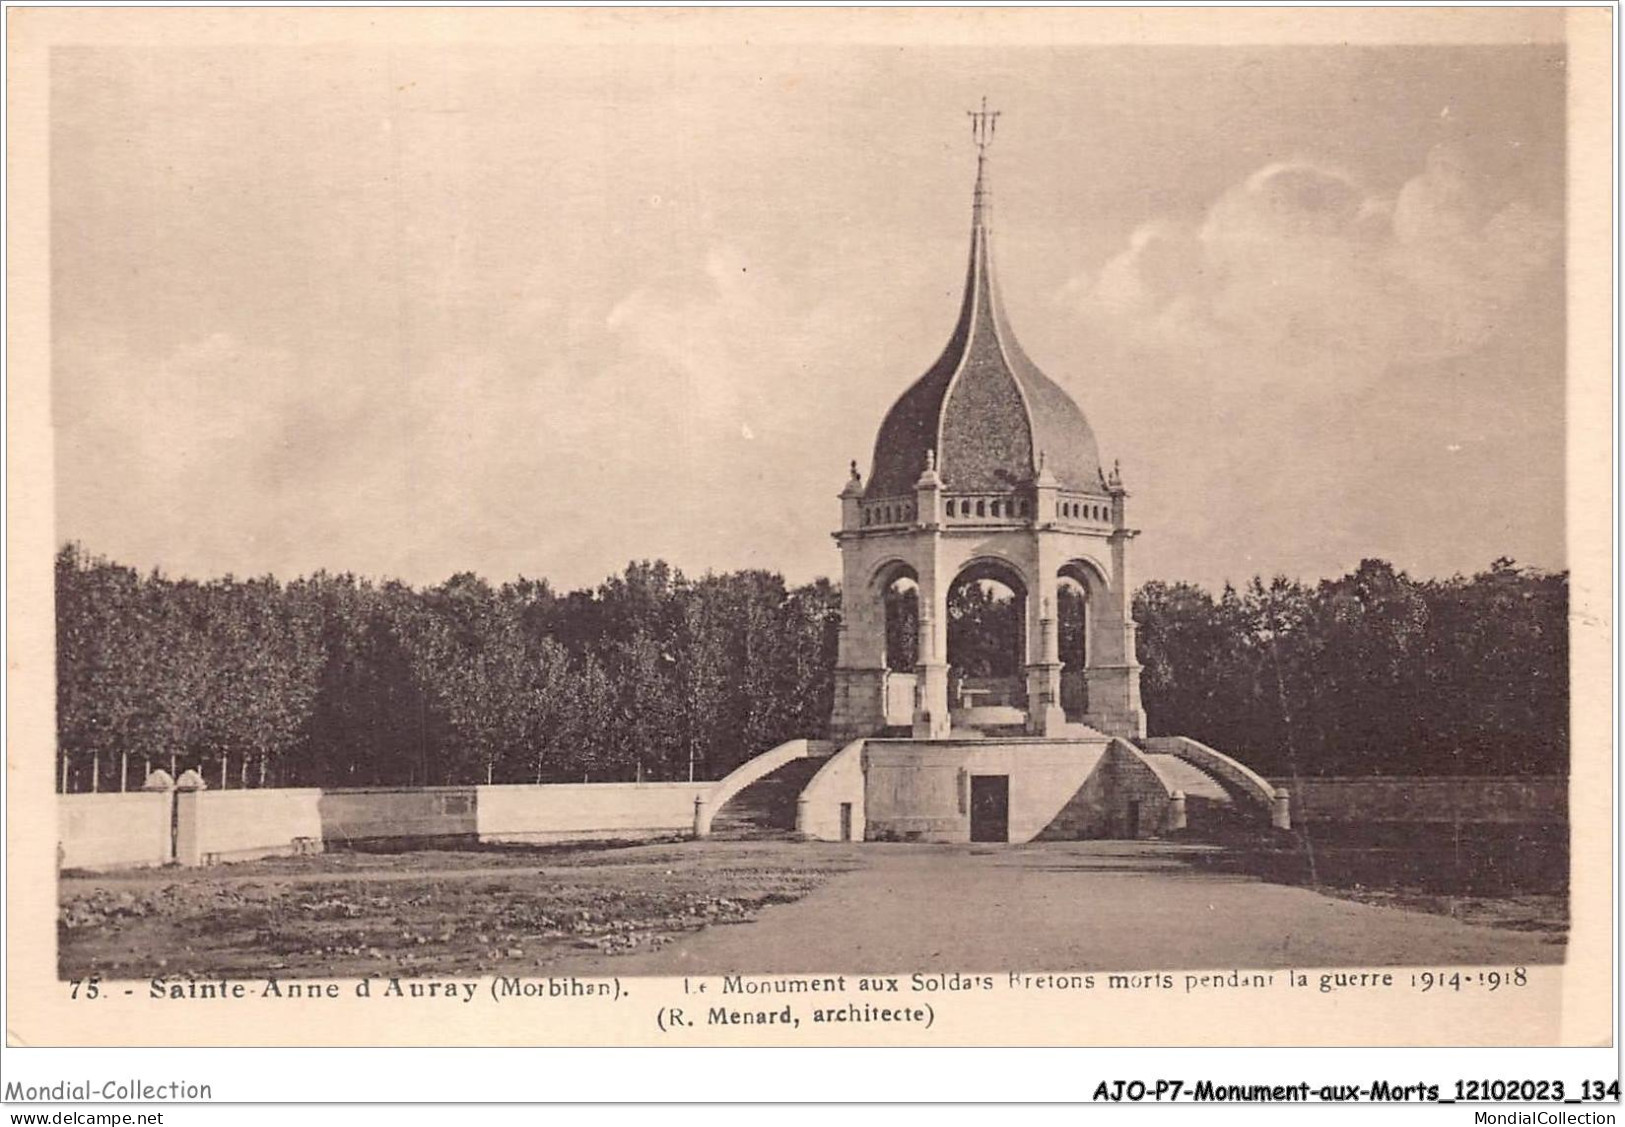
x: 987, y: 638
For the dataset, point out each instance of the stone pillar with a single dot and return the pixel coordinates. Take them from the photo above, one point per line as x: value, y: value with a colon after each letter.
x: 928, y: 495
x: 1045, y: 717
x: 1114, y: 671
x: 189, y: 790
x: 859, y: 707
x: 1046, y: 491
x: 159, y: 782
x: 931, y: 717
x: 702, y: 817
x: 1176, y: 811
x: 852, y: 502
x: 860, y: 703
x: 1281, y: 809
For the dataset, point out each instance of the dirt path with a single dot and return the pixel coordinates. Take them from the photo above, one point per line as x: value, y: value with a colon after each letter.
x: 1084, y: 906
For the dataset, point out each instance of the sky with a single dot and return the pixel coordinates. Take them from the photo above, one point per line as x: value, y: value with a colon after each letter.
x: 408, y: 312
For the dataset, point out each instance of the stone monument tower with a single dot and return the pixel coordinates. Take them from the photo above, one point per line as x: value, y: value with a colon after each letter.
x: 986, y: 470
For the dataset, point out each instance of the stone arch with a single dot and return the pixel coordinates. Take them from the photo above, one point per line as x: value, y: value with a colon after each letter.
x: 1000, y: 568
x: 1076, y: 627
x: 1088, y: 573
x: 889, y: 570
x: 896, y: 586
x: 1072, y: 611
x: 989, y: 667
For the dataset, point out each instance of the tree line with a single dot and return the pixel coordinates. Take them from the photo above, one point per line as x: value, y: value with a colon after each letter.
x: 1373, y: 673
x: 334, y: 680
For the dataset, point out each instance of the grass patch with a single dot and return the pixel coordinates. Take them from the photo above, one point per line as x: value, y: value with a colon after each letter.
x: 1507, y: 876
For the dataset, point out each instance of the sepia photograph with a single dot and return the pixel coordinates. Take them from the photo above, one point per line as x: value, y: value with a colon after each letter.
x: 814, y: 515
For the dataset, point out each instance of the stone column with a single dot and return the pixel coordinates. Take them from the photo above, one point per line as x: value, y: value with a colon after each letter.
x: 1177, y: 818
x: 1046, y: 495
x: 1281, y: 809
x: 928, y: 495
x: 1114, y: 673
x: 860, y: 706
x: 189, y: 790
x: 931, y: 717
x: 860, y: 674
x: 1045, y: 717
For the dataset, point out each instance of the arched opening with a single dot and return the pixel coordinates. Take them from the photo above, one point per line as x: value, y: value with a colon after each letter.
x: 901, y: 598
x: 1072, y: 630
x: 1077, y: 585
x: 898, y: 589
x: 987, y: 637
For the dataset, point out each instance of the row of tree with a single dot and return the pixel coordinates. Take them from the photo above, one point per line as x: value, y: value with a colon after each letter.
x: 339, y: 681
x: 1373, y: 673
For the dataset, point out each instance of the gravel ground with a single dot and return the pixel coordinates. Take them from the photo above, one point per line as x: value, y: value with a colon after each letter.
x: 430, y: 913
x: 754, y: 907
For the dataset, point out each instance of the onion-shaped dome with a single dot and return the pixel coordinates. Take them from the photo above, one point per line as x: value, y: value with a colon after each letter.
x: 984, y: 408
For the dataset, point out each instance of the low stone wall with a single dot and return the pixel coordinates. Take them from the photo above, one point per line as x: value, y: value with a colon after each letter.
x: 1462, y: 800
x: 572, y: 811
x: 106, y: 831
x: 398, y: 813
x: 238, y: 825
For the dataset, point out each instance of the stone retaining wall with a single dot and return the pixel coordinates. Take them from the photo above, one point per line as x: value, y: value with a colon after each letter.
x: 1420, y: 801
x: 106, y: 831
x: 103, y: 831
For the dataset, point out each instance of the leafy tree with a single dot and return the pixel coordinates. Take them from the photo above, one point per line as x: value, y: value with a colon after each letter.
x: 985, y: 630
x: 590, y: 721
x: 901, y: 603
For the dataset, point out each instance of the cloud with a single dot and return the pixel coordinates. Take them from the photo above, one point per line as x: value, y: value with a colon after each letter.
x: 1299, y: 263
x: 1381, y: 368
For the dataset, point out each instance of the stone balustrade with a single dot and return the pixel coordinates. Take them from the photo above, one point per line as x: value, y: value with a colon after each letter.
x: 893, y: 512
x: 1014, y: 509
x: 1083, y: 509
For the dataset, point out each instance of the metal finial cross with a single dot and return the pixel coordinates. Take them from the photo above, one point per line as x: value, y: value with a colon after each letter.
x: 983, y: 124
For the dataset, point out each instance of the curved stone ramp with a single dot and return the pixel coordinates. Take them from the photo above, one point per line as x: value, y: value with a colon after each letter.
x: 1241, y: 782
x: 758, y: 798
x: 838, y: 782
x: 1137, y: 792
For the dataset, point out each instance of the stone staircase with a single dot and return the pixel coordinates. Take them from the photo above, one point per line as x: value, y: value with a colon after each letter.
x: 767, y: 807
x: 1187, y: 778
